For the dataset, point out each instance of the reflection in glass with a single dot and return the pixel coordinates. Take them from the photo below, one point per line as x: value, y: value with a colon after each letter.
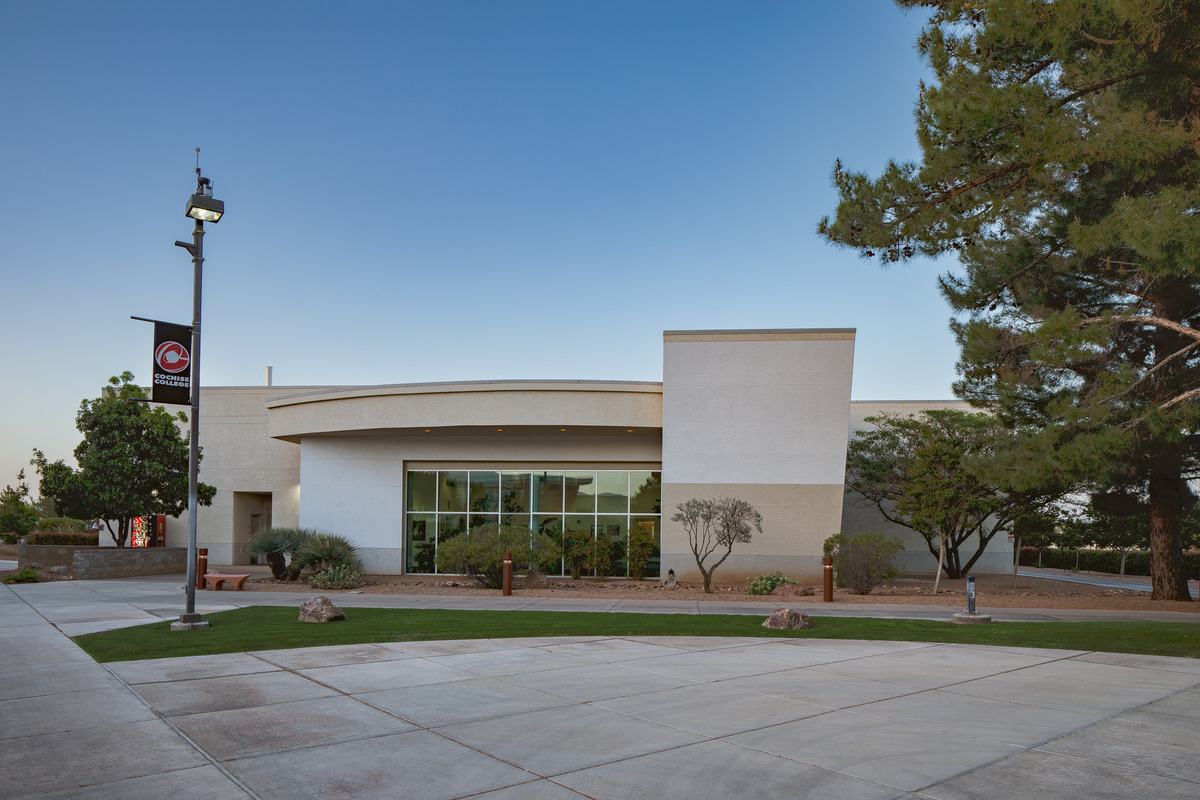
x: 485, y: 490
x: 452, y: 491
x: 422, y: 491
x: 580, y: 492
x: 613, y: 494
x: 420, y: 543
x: 650, y: 525
x: 514, y: 492
x: 552, y: 526
x: 450, y: 525
x: 548, y: 492
x: 521, y: 520
x: 483, y: 519
x: 647, y: 492
x: 613, y: 529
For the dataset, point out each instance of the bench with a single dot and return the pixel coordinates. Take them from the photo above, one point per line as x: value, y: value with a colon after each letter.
x: 216, y: 580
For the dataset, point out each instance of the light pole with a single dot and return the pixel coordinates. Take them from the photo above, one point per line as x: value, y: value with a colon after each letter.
x: 202, y: 207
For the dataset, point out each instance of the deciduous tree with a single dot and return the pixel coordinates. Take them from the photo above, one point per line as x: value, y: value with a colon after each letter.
x: 714, y: 527
x: 133, y: 461
x: 921, y: 472
x: 1061, y: 163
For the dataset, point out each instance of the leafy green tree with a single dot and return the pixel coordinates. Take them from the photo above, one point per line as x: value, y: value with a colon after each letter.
x: 918, y: 472
x: 1059, y: 162
x: 1119, y: 533
x: 133, y: 461
x: 17, y: 514
x: 714, y: 527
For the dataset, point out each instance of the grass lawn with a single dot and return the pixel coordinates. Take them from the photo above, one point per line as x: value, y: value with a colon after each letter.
x: 273, y: 627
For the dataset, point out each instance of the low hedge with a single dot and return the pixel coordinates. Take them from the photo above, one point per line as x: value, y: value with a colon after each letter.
x: 1137, y: 562
x: 68, y: 539
x: 62, y: 525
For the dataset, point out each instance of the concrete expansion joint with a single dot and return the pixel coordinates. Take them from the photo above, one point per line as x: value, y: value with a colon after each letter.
x: 191, y: 743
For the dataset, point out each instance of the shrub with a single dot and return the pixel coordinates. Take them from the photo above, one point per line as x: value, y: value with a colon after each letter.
x: 275, y: 544
x: 322, y: 551
x: 480, y: 552
x: 863, y: 561
x: 67, y: 539
x: 765, y: 584
x: 339, y: 576
x: 593, y: 555
x: 641, y: 550
x: 62, y: 525
x: 23, y: 575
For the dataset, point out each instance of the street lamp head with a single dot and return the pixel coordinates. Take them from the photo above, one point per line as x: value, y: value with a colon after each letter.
x: 202, y: 205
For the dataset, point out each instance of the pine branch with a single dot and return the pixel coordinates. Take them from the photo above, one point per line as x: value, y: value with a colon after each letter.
x: 1144, y: 319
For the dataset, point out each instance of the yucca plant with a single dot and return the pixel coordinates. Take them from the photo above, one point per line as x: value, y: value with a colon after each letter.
x: 275, y: 544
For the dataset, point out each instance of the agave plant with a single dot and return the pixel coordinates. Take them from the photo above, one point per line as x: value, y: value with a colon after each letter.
x: 323, y: 550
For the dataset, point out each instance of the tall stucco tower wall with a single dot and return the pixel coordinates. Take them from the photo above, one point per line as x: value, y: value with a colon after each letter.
x: 761, y: 416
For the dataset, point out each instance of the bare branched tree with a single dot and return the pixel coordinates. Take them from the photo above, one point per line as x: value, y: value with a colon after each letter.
x: 714, y: 526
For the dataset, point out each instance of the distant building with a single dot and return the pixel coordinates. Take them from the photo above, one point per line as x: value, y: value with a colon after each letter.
x: 763, y: 415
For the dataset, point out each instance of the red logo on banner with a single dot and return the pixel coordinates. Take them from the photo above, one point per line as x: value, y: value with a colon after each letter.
x: 172, y: 357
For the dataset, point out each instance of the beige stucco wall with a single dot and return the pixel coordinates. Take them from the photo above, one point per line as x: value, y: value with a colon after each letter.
x: 538, y: 404
x: 239, y: 456
x: 762, y: 416
x: 355, y: 485
x: 858, y: 515
x: 797, y: 519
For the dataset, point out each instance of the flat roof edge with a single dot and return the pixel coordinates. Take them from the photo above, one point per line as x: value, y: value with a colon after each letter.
x: 751, y: 331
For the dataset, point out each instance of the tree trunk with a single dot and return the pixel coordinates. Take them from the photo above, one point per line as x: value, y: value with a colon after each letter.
x: 1123, y: 552
x: 278, y: 566
x: 941, y: 563
x: 1017, y: 561
x: 1168, y: 577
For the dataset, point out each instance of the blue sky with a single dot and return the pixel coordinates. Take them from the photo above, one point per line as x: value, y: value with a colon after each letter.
x: 443, y: 190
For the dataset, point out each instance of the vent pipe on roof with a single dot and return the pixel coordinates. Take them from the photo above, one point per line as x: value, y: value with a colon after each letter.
x: 270, y: 376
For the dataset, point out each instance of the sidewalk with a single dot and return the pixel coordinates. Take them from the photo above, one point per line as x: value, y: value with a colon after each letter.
x: 608, y: 718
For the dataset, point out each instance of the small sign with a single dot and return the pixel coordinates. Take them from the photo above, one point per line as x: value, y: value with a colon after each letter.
x: 172, y: 364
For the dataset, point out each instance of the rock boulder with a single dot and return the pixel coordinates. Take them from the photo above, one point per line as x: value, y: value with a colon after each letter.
x: 786, y: 619
x: 534, y: 579
x: 320, y: 609
x: 792, y: 590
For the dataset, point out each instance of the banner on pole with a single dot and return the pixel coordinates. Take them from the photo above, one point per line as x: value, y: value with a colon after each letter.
x: 172, y: 364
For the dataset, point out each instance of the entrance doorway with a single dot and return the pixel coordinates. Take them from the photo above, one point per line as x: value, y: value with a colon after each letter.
x: 251, y: 514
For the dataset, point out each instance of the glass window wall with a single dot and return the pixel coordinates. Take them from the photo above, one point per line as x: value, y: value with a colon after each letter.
x: 576, y: 508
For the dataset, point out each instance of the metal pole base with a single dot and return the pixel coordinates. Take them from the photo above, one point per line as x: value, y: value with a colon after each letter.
x: 190, y: 622
x: 971, y: 618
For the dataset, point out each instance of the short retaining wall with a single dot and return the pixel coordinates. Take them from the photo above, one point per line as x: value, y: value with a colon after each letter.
x: 91, y: 563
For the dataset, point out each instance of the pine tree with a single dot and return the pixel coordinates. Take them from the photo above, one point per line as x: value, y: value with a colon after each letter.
x: 1061, y: 162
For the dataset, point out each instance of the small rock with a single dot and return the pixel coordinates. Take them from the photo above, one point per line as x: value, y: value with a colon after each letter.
x: 792, y: 590
x: 33, y: 564
x: 320, y: 609
x: 534, y: 579
x: 787, y: 619
x: 61, y: 569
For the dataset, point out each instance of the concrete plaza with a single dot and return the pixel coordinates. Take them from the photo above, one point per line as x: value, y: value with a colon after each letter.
x: 599, y: 717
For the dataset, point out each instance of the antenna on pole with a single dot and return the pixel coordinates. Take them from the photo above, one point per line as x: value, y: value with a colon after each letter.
x: 197, y: 166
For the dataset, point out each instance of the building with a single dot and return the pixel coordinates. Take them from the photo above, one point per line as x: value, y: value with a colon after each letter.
x: 763, y: 415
